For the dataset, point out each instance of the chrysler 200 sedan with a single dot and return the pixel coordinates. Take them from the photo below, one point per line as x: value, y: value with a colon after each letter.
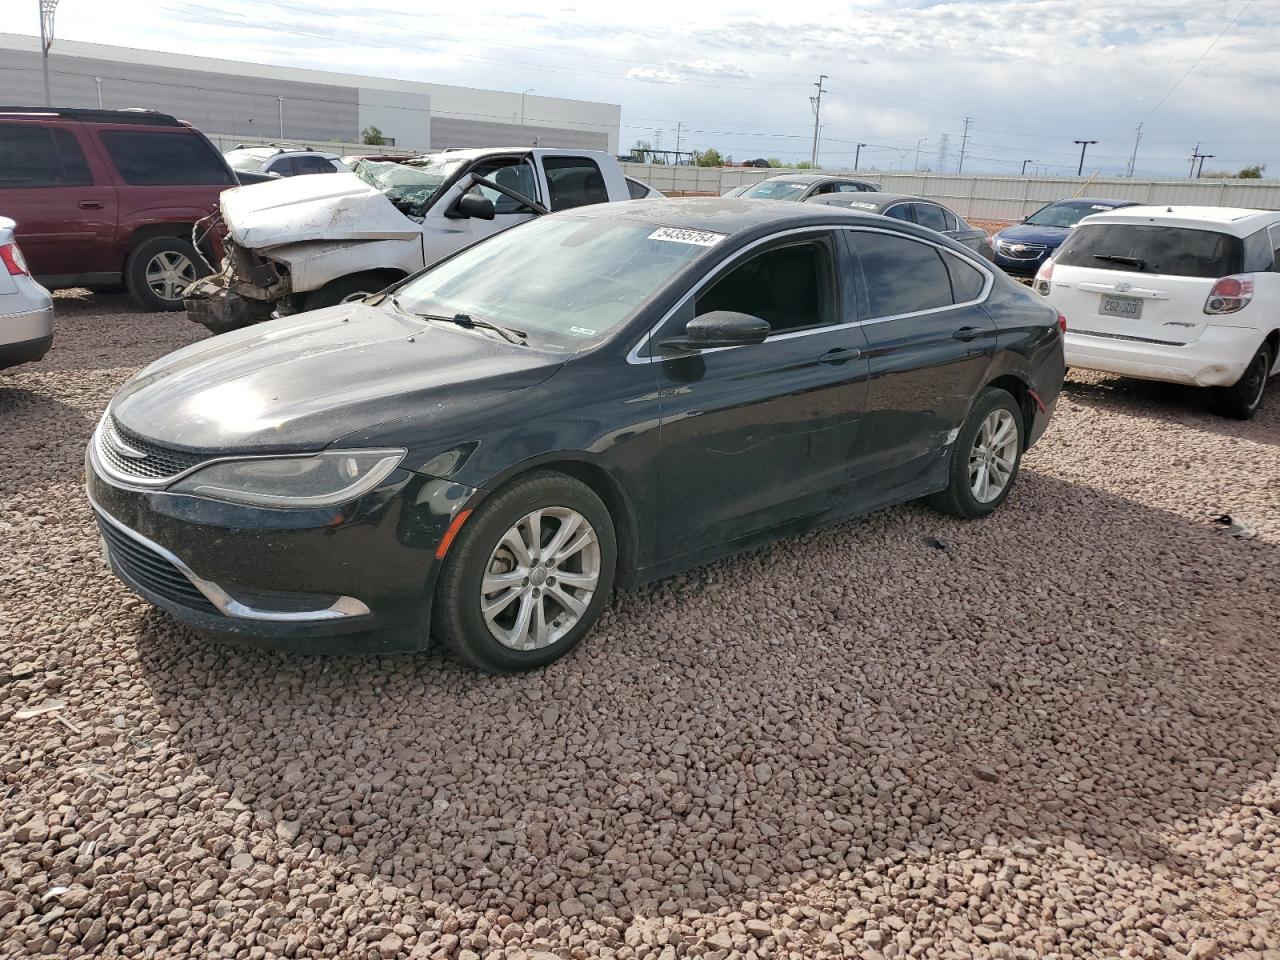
x: 596, y: 399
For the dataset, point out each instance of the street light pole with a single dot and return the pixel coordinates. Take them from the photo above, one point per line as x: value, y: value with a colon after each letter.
x: 856, y: 154
x: 1084, y: 145
x: 47, y: 10
x: 98, y: 81
x: 918, y: 142
x: 281, y: 99
x: 523, y: 135
x: 1203, y: 158
x: 1024, y: 166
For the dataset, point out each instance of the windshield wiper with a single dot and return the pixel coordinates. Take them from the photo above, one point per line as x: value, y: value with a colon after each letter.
x: 1121, y: 258
x: 510, y: 334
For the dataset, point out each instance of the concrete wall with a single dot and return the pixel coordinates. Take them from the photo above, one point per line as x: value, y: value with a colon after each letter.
x: 990, y: 197
x: 223, y: 96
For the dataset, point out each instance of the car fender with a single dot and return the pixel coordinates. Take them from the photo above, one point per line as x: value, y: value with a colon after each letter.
x: 312, y: 264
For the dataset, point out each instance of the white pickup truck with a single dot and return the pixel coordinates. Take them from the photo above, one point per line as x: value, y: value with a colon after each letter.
x: 301, y: 243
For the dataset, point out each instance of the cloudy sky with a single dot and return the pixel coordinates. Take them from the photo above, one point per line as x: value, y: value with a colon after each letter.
x: 1032, y: 75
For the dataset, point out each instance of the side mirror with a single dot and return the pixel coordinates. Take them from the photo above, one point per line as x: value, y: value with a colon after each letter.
x: 472, y: 206
x: 720, y: 328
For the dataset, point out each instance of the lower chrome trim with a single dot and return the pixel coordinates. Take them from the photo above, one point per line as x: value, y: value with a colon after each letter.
x: 1125, y: 337
x: 227, y: 604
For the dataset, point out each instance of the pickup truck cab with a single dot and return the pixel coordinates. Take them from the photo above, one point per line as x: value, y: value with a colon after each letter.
x: 308, y: 242
x: 109, y: 197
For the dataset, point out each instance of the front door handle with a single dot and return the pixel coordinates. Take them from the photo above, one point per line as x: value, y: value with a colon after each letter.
x: 90, y: 205
x: 840, y: 355
x: 967, y: 333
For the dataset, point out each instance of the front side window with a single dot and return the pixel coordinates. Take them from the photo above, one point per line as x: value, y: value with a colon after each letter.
x: 569, y: 283
x: 789, y: 287
x: 775, y: 190
x: 147, y: 159
x: 515, y: 175
x: 900, y: 275
x: 574, y: 182
x: 1142, y: 248
x: 284, y: 167
x: 34, y: 155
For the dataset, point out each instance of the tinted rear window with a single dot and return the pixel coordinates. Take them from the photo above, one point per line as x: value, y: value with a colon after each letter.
x: 901, y: 275
x: 34, y: 155
x: 1138, y: 248
x: 164, y: 159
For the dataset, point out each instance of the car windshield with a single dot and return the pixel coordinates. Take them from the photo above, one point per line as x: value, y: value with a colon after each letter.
x: 247, y: 161
x: 568, y: 283
x: 775, y: 190
x: 1064, y: 214
x: 410, y: 188
x: 1139, y: 248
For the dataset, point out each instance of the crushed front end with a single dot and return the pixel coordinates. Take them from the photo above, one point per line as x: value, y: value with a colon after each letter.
x: 245, y: 291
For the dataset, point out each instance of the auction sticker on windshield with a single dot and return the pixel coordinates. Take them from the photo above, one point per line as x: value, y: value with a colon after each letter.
x: 699, y: 238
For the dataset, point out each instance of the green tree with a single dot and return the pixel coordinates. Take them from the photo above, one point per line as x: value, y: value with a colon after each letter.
x: 774, y: 162
x: 708, y: 158
x: 1252, y: 173
x: 806, y: 165
x: 372, y: 136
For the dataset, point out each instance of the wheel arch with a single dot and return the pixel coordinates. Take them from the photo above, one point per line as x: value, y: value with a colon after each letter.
x: 1021, y: 391
x: 1272, y: 340
x: 604, y: 485
x: 149, y: 231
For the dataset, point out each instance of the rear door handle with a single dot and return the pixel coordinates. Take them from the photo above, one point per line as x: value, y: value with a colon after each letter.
x: 967, y: 333
x: 89, y: 205
x: 840, y: 355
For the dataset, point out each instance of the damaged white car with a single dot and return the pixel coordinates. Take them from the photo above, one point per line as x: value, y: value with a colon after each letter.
x: 302, y: 243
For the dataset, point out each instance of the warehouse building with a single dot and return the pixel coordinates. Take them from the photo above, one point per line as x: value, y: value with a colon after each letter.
x: 250, y: 101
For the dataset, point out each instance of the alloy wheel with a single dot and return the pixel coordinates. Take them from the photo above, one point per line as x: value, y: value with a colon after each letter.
x: 169, y: 273
x: 994, y: 455
x: 540, y: 578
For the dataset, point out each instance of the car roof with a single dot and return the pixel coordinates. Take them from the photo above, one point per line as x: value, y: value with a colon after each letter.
x: 878, y: 199
x: 1089, y: 201
x: 136, y: 115
x: 1237, y: 221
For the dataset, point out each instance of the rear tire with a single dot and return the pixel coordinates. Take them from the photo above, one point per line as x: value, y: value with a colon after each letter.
x: 159, y: 269
x: 346, y: 290
x: 985, y: 458
x: 554, y: 590
x: 1243, y: 399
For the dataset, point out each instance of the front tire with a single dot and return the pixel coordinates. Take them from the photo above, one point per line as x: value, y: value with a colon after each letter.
x: 158, y: 270
x: 986, y: 457
x: 528, y: 576
x: 1242, y: 400
x: 350, y: 289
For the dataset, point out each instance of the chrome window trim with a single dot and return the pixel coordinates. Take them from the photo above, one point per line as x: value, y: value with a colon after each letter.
x: 633, y: 355
x: 225, y: 603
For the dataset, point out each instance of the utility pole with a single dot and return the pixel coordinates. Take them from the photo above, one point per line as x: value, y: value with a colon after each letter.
x: 817, y: 113
x: 857, y: 153
x: 1024, y: 166
x: 918, y: 142
x: 679, y: 124
x: 281, y: 99
x: 944, y: 147
x: 1133, y: 157
x: 1203, y: 158
x: 964, y: 142
x: 523, y: 136
x: 1195, y: 155
x: 1084, y: 145
x: 98, y: 81
x: 47, y: 10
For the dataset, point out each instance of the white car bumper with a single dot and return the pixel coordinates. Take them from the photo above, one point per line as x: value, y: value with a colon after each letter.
x: 1217, y: 359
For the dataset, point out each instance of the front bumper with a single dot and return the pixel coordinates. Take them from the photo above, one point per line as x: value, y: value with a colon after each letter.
x: 25, y: 337
x: 1217, y: 359
x: 357, y: 578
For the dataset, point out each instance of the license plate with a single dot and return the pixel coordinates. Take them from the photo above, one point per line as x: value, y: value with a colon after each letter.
x: 1128, y: 307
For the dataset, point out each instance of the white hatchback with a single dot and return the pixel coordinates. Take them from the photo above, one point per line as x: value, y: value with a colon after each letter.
x: 1184, y: 294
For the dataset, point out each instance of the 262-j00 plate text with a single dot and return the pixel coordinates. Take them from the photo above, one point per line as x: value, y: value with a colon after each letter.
x: 1128, y: 307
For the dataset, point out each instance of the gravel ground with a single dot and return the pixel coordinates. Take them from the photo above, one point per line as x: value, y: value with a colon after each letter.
x: 1049, y: 734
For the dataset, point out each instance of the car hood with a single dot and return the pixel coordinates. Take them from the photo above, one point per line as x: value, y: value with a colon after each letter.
x: 301, y: 382
x: 331, y: 206
x: 1026, y: 233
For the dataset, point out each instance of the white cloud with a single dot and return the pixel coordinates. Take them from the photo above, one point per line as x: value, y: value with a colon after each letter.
x: 652, y: 75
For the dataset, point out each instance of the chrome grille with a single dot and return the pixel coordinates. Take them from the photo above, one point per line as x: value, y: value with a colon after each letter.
x: 119, y: 447
x: 1021, y: 251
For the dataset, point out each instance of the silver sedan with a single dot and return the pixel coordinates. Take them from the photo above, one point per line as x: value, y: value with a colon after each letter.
x: 26, y: 309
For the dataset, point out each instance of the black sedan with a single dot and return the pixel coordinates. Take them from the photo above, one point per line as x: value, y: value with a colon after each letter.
x: 586, y: 402
x: 802, y: 186
x: 927, y: 213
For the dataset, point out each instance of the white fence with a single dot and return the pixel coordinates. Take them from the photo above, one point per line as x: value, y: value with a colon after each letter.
x: 225, y: 141
x: 985, y: 197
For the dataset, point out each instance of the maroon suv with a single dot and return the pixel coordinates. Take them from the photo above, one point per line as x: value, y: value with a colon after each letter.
x: 109, y: 197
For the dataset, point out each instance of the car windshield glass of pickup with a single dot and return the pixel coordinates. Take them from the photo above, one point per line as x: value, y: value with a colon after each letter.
x: 1136, y: 248
x: 1064, y: 214
x: 567, y: 283
x: 775, y: 190
x: 410, y: 187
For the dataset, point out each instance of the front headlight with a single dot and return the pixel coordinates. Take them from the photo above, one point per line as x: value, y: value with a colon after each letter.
x: 319, y: 480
